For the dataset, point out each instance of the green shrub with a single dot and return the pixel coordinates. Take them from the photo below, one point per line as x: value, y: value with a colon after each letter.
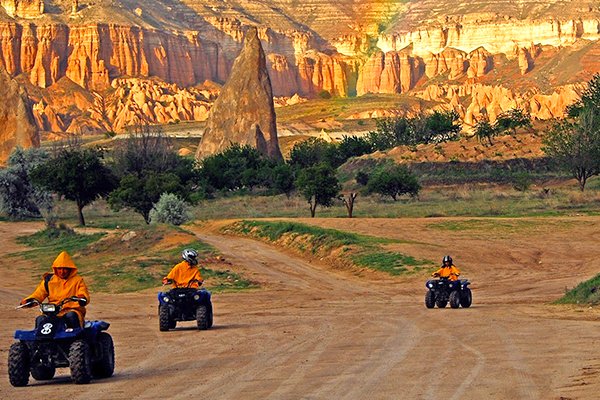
x: 170, y: 209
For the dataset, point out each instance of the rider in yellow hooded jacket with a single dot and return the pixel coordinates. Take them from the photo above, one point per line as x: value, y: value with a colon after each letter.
x: 62, y: 284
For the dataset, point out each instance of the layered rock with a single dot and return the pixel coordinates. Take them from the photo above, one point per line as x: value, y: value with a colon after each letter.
x: 17, y: 126
x: 23, y: 8
x: 244, y: 112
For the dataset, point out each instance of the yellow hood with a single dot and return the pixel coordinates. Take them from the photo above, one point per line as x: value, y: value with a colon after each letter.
x: 64, y: 261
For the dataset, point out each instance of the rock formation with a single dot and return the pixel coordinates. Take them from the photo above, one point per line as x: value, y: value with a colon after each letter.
x: 116, y: 48
x: 244, y: 112
x: 17, y: 127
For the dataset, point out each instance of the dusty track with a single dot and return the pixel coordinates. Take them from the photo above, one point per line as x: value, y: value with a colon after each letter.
x: 316, y: 334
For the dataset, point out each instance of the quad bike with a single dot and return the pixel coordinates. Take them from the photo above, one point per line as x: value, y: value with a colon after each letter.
x: 88, y: 351
x: 184, y: 303
x: 443, y: 291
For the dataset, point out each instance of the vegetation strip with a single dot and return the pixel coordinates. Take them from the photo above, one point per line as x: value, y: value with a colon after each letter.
x: 587, y: 292
x: 334, y: 246
x: 129, y: 261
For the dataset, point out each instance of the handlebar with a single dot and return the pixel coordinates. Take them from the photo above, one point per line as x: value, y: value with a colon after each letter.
x: 36, y: 302
x: 177, y: 285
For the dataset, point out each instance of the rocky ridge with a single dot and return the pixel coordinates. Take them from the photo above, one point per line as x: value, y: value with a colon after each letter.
x: 501, y: 48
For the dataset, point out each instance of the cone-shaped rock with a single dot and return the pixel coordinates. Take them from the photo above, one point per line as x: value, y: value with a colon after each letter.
x: 17, y: 126
x: 244, y: 112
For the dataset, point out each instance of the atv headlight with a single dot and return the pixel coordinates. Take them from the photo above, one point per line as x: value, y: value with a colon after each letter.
x: 430, y: 285
x: 196, y: 297
x: 49, y: 308
x: 166, y: 299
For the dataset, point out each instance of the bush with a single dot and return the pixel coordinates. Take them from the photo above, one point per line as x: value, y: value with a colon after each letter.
x: 170, y: 209
x: 19, y: 197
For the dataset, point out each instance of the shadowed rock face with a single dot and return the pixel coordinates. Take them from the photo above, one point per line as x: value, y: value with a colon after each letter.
x: 244, y: 112
x: 17, y: 126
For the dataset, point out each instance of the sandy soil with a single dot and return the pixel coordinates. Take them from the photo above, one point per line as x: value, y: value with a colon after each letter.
x: 313, y: 333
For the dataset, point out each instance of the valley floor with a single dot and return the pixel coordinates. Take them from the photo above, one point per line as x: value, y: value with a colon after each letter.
x: 316, y: 333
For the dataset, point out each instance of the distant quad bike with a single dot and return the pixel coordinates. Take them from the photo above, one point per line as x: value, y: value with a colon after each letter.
x: 184, y: 303
x: 443, y: 291
x: 87, y: 351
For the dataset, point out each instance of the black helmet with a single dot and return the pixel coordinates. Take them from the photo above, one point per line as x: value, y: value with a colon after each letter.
x: 190, y: 255
x: 447, y: 259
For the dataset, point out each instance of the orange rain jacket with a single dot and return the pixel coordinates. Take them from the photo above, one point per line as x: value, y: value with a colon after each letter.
x: 450, y: 272
x: 60, y: 289
x: 183, y: 273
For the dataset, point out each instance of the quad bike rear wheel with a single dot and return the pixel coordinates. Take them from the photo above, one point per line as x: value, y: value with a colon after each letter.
x: 430, y: 299
x: 18, y: 364
x: 467, y: 298
x: 105, y: 366
x: 164, y: 319
x: 43, y: 373
x: 79, y: 361
x: 202, y: 317
x: 455, y: 299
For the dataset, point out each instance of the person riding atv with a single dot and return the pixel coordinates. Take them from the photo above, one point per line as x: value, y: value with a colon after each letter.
x: 64, y: 283
x: 185, y: 301
x: 448, y: 270
x: 185, y: 273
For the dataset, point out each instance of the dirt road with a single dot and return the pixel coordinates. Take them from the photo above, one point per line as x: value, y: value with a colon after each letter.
x: 312, y: 333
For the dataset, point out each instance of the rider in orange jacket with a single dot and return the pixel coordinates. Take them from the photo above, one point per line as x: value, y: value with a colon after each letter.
x: 62, y: 284
x: 448, y: 270
x: 186, y: 271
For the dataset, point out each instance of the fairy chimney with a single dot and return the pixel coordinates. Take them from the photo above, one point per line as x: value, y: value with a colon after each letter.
x: 244, y: 112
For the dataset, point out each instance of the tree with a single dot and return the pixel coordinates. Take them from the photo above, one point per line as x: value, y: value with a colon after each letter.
x: 485, y: 131
x: 353, y: 146
x: 349, y: 200
x: 315, y: 151
x: 575, y: 145
x: 147, y: 166
x: 282, y: 179
x: 234, y: 168
x: 19, y: 197
x: 511, y: 120
x: 78, y: 174
x: 319, y: 186
x: 393, y: 181
x: 440, y: 126
x: 590, y: 98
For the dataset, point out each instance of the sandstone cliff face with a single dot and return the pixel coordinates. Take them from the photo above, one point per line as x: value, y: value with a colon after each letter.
x: 244, y: 112
x: 17, y: 127
x: 343, y: 48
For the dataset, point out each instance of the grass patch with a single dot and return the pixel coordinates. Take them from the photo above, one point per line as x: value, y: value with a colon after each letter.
x: 128, y: 261
x: 587, y: 293
x: 391, y: 262
x: 332, y: 245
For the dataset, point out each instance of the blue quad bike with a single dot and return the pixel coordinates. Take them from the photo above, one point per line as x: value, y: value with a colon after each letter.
x: 88, y: 351
x: 443, y: 291
x: 184, y: 303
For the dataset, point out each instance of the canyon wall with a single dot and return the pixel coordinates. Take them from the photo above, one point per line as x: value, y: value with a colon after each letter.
x: 138, y: 64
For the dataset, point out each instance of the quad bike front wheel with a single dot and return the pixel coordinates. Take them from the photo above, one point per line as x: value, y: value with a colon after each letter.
x: 430, y: 299
x: 202, y: 317
x: 455, y: 299
x: 43, y: 373
x: 441, y: 303
x: 164, y: 319
x: 467, y: 298
x: 18, y: 364
x: 79, y: 361
x: 105, y: 366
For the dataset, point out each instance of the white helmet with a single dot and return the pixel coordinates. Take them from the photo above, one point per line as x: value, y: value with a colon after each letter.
x: 190, y: 255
